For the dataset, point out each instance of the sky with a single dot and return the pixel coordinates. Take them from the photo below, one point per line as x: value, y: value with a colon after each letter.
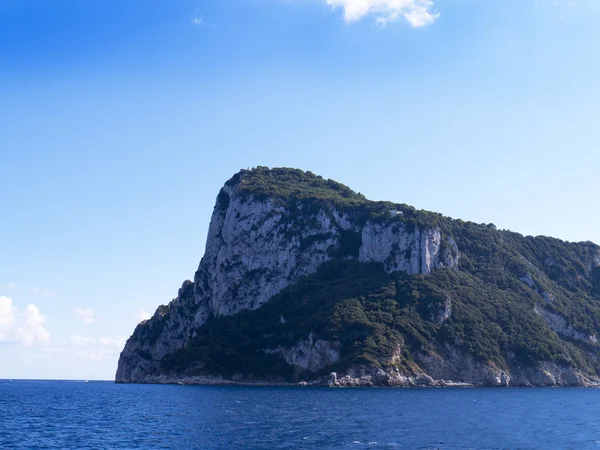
x: 120, y: 121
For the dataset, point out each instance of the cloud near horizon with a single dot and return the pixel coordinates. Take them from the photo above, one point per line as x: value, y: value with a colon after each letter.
x: 89, y: 349
x: 418, y: 13
x: 80, y: 340
x: 40, y: 292
x: 87, y: 315
x: 18, y: 327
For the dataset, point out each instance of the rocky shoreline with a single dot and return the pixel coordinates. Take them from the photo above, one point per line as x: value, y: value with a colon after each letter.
x: 341, y: 383
x: 379, y: 379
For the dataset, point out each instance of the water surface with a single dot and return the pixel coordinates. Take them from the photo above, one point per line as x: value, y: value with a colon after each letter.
x: 65, y: 414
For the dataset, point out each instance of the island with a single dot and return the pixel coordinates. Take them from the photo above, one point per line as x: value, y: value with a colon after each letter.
x: 304, y: 281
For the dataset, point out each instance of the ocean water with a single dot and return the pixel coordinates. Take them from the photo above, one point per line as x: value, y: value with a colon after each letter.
x: 66, y: 414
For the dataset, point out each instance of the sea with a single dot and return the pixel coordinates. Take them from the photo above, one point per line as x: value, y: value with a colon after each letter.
x: 104, y: 415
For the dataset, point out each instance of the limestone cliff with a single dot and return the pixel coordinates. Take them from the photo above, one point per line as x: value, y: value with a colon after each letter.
x: 271, y: 230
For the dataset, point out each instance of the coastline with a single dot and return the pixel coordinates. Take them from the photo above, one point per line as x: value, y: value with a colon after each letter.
x: 208, y: 381
x: 345, y: 382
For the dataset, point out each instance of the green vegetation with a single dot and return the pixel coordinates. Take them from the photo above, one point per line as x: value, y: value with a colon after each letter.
x: 305, y: 192
x: 372, y: 315
x: 348, y: 302
x: 284, y: 184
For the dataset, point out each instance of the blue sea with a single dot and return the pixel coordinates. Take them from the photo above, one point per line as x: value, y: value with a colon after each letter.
x: 102, y: 415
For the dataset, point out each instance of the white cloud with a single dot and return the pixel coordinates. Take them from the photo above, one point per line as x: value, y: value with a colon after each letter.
x: 12, y: 285
x: 86, y: 348
x: 197, y: 18
x: 96, y: 354
x: 53, y: 350
x: 80, y: 340
x: 18, y: 327
x: 86, y: 315
x: 112, y: 342
x: 41, y: 292
x: 141, y: 315
x: 418, y: 13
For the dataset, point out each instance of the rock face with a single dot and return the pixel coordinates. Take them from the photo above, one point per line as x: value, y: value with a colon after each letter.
x: 255, y: 249
x: 258, y: 245
x: 560, y: 325
x: 310, y: 355
x: 401, y: 251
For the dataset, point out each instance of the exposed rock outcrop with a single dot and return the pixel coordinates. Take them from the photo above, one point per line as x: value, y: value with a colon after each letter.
x: 311, y: 355
x: 560, y: 325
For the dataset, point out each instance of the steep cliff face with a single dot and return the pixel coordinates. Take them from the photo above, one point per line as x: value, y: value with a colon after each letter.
x: 256, y: 248
x: 271, y: 229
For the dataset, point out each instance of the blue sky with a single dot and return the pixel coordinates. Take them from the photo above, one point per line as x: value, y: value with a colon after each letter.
x: 121, y: 121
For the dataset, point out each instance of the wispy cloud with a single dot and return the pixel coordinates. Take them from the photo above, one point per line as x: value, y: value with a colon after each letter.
x: 12, y: 285
x: 418, y: 13
x: 197, y: 18
x: 87, y: 315
x: 90, y: 349
x: 53, y: 350
x: 21, y: 327
x: 41, y: 292
x: 117, y: 342
x: 80, y: 340
x: 96, y: 354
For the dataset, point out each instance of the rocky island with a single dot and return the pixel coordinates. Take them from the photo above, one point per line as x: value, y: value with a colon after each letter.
x: 305, y: 281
